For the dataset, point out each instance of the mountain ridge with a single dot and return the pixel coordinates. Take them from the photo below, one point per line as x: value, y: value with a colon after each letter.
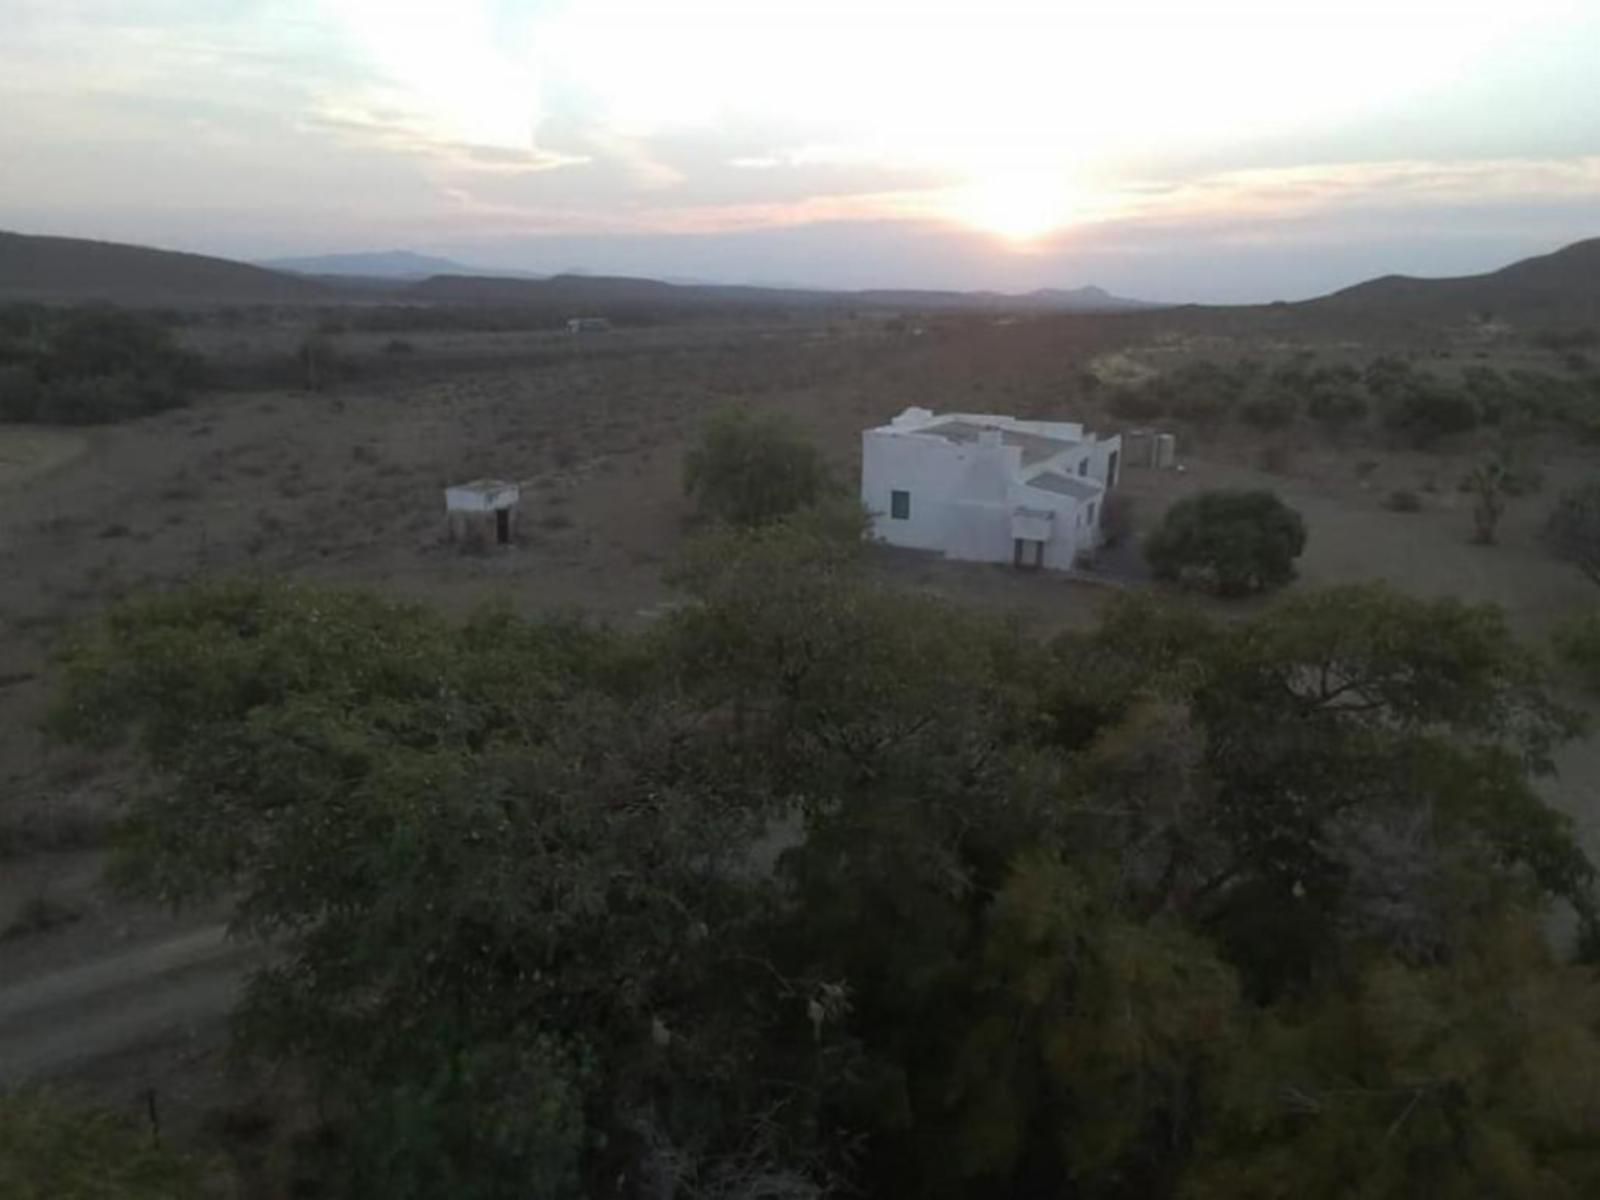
x: 399, y: 265
x: 1561, y: 287
x: 56, y: 269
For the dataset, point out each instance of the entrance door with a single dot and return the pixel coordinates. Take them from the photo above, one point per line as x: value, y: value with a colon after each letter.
x: 502, y: 526
x: 1111, y: 471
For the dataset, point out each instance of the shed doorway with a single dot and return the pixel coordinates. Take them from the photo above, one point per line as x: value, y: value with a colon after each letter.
x: 502, y: 526
x: 1027, y: 553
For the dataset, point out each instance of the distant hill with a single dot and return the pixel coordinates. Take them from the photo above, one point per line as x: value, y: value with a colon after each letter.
x: 1084, y: 300
x: 613, y: 294
x: 1552, y: 289
x: 387, y: 264
x: 76, y: 269
x: 1088, y: 299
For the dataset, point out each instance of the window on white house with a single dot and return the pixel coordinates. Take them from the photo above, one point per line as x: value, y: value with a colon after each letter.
x: 1083, y: 466
x: 1091, y: 514
x: 900, y: 505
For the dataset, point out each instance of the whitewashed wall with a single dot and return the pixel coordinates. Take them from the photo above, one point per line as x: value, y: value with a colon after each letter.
x: 963, y: 495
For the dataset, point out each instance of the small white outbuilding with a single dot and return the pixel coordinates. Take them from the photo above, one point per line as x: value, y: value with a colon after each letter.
x: 482, y: 513
x: 988, y: 488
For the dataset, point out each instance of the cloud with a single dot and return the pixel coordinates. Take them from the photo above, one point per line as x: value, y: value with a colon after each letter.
x: 394, y: 131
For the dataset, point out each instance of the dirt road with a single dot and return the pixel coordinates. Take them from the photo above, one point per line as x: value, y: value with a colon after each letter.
x: 55, y: 1024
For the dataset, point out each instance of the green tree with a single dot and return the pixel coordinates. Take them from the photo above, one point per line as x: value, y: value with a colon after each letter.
x: 52, y: 1151
x: 1234, y: 542
x: 1476, y: 1077
x: 504, y: 879
x: 1352, y: 762
x: 752, y: 468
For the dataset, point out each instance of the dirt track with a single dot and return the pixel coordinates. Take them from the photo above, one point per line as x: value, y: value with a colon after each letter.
x: 65, y: 1021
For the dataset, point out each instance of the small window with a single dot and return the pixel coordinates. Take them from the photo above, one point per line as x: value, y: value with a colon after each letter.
x: 1091, y: 514
x: 1083, y: 466
x: 900, y: 505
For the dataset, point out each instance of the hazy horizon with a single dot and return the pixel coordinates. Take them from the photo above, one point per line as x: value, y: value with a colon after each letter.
x: 1225, y: 152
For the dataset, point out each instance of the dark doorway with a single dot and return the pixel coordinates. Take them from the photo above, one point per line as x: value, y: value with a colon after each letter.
x: 1027, y: 554
x: 1111, y: 470
x: 502, y: 526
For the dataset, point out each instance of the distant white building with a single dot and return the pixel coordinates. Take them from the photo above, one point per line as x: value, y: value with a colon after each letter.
x: 988, y: 488
x: 588, y: 324
x: 482, y: 513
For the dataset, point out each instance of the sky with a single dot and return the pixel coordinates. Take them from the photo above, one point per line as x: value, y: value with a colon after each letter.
x: 1227, y: 151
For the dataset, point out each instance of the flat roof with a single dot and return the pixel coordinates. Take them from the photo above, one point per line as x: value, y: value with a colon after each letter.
x: 1036, y: 447
x: 1065, y: 485
x: 482, y: 486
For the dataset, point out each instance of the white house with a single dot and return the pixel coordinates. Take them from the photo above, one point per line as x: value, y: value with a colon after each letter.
x: 988, y: 488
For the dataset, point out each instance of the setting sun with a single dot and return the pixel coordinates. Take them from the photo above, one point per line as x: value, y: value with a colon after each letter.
x: 1017, y: 207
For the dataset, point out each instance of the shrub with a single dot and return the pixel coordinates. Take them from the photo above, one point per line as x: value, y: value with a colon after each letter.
x: 41, y: 914
x: 1566, y: 339
x: 1403, y: 501
x: 1487, y: 483
x: 48, y: 1149
x: 1271, y: 411
x: 1275, y: 458
x: 1572, y: 530
x: 110, y: 341
x: 1336, y: 407
x: 1137, y: 404
x: 1234, y: 542
x: 1388, y: 375
x: 1577, y: 643
x: 19, y: 393
x: 752, y: 469
x: 1424, y: 411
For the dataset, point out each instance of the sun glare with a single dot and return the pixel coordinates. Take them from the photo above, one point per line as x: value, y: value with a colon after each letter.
x: 1020, y: 208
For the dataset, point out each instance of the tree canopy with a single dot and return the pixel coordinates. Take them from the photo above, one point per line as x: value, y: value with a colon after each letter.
x: 820, y: 885
x: 751, y: 468
x: 1231, y: 541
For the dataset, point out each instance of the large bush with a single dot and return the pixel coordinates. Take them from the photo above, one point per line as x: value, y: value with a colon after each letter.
x: 751, y: 469
x: 1233, y: 542
x: 1424, y: 410
x: 93, y: 365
